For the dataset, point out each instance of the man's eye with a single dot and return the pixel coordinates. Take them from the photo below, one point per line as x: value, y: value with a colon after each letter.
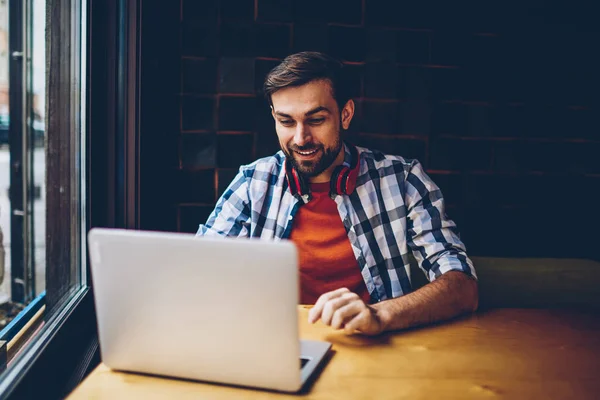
x: 286, y: 122
x: 316, y: 121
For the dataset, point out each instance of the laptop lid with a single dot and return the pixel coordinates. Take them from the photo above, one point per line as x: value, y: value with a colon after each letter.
x: 212, y: 309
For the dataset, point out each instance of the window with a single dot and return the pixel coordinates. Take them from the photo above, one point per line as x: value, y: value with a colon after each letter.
x: 42, y: 175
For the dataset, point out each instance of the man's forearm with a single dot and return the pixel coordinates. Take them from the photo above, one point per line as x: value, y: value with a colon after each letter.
x: 450, y: 295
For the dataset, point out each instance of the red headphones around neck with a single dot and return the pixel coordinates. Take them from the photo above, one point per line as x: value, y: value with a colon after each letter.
x: 343, y: 178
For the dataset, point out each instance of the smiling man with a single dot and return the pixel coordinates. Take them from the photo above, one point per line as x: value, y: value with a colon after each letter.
x: 355, y: 214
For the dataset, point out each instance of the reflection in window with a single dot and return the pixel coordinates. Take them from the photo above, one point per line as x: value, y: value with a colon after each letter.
x: 22, y: 155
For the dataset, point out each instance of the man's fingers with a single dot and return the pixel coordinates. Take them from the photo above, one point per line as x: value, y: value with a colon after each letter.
x: 360, y: 320
x: 346, y: 314
x: 315, y: 313
x: 333, y: 305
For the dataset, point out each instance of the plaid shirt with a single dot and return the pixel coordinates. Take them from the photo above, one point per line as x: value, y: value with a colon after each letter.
x: 395, y: 210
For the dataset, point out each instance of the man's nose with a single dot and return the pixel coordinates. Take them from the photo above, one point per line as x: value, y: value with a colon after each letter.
x: 302, y: 135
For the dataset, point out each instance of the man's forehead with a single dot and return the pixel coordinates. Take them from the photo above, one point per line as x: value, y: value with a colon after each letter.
x: 303, y: 99
x: 301, y: 111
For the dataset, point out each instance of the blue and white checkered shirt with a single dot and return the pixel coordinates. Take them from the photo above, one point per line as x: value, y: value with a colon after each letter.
x: 395, y: 210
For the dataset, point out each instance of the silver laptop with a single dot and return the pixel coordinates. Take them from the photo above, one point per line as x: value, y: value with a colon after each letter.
x: 212, y: 309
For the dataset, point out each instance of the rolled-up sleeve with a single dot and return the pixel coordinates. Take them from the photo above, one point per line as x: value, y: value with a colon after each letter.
x: 432, y: 236
x: 231, y: 216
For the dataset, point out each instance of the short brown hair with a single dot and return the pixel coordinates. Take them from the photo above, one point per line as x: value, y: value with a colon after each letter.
x: 304, y: 67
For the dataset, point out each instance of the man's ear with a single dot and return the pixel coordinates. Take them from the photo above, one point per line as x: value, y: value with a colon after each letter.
x: 347, y: 113
x: 272, y: 111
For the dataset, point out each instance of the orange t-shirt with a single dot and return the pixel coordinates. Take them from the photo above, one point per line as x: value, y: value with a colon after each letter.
x: 327, y: 261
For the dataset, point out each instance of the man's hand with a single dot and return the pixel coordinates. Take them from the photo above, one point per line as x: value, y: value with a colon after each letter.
x: 342, y: 309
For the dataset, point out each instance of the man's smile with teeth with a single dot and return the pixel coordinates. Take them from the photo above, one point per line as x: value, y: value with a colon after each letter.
x: 307, y: 153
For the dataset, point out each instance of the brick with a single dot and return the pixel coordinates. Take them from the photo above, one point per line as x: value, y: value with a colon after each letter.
x: 236, y: 75
x: 531, y: 231
x: 584, y: 124
x: 352, y: 78
x: 412, y: 47
x: 331, y: 11
x: 199, y: 12
x: 447, y: 84
x: 311, y: 11
x: 585, y: 157
x: 237, y: 114
x: 234, y: 150
x: 272, y: 40
x: 466, y: 49
x: 407, y: 148
x: 348, y: 44
x: 381, y: 45
x: 355, y: 123
x: 381, y: 13
x: 550, y: 157
x: 543, y: 121
x: 261, y: 69
x: 344, y: 11
x: 275, y: 10
x: 560, y: 157
x: 493, y: 231
x: 224, y: 178
x: 509, y: 157
x: 415, y: 117
x: 381, y: 80
x: 237, y: 10
x: 190, y: 217
x: 480, y: 84
x: 486, y: 17
x: 199, y: 41
x: 264, y: 121
x: 267, y: 143
x: 512, y: 83
x: 380, y: 117
x: 414, y: 83
x: 503, y: 190
x: 461, y: 155
x: 195, y: 186
x: 310, y: 37
x: 237, y: 40
x: 452, y: 187
x: 398, y: 14
x: 449, y: 119
x: 590, y: 185
x: 198, y: 150
x: 198, y: 76
x: 197, y: 113
x: 514, y: 122
x: 481, y: 121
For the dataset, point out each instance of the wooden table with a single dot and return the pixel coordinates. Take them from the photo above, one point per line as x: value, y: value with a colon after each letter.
x: 503, y: 353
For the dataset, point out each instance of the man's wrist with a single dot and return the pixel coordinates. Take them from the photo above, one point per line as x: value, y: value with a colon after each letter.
x: 384, y: 314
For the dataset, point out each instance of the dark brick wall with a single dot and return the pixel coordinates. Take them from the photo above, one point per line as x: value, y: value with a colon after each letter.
x: 499, y: 102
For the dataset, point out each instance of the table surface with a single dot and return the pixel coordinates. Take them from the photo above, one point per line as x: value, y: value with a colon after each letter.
x: 502, y: 353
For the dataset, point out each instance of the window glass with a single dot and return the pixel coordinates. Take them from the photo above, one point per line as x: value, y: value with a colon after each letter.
x: 37, y: 167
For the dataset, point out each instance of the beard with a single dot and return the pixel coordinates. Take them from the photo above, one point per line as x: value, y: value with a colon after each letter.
x: 312, y: 168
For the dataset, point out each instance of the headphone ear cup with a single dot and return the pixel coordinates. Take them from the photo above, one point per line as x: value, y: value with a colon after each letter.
x: 297, y: 184
x: 292, y: 178
x: 303, y: 187
x: 339, y: 180
x: 343, y: 178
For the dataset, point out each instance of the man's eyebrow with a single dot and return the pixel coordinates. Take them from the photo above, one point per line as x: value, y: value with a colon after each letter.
x: 279, y: 113
x: 307, y: 114
x: 316, y: 110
